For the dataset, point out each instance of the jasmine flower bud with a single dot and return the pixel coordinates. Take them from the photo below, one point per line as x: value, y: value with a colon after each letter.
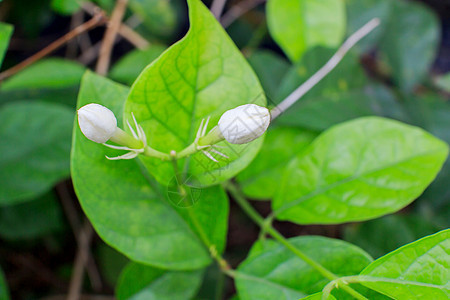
x: 244, y: 123
x: 97, y: 122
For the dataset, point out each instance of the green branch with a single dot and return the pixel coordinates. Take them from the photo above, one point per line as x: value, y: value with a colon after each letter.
x: 256, y: 217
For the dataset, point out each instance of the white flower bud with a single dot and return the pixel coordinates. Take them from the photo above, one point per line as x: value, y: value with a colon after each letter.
x: 97, y: 122
x: 244, y: 123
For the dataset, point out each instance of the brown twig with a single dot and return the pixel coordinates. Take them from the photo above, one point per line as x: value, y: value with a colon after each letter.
x: 133, y: 37
x: 125, y: 31
x: 74, y: 221
x: 238, y: 10
x: 96, y: 20
x: 217, y: 8
x: 81, y: 259
x: 109, y: 37
x: 325, y: 69
x: 72, y: 45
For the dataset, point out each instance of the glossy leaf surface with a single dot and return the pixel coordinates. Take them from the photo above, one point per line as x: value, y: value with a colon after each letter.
x: 359, y: 170
x: 420, y: 270
x: 201, y: 76
x: 261, y: 179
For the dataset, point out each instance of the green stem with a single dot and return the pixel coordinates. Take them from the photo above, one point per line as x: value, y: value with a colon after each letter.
x: 223, y: 264
x: 342, y: 283
x: 256, y: 217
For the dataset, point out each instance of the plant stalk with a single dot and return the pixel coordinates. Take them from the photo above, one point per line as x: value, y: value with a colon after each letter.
x: 256, y: 217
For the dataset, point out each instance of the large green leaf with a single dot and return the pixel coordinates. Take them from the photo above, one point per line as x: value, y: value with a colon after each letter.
x: 420, y: 270
x: 31, y: 219
x: 128, y: 68
x: 276, y: 273
x: 139, y: 282
x: 50, y: 80
x: 410, y: 44
x: 202, y: 75
x: 401, y: 229
x: 4, y: 293
x: 6, y: 31
x: 359, y: 170
x: 298, y: 25
x: 129, y: 210
x: 35, y: 147
x: 261, y: 179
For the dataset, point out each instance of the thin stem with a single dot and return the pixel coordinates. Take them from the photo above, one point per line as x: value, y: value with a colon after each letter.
x: 343, y: 284
x: 125, y: 31
x: 96, y: 20
x: 81, y: 258
x: 110, y: 35
x: 256, y: 217
x: 327, y: 68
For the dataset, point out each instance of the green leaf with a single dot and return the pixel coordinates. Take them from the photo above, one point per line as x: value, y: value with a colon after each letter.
x: 128, y: 209
x: 139, y: 282
x: 411, y: 42
x: 401, y: 229
x: 4, y: 293
x: 276, y: 273
x: 270, y: 68
x: 359, y: 12
x: 420, y: 270
x: 6, y: 31
x: 66, y: 7
x: 359, y: 170
x: 51, y: 80
x: 298, y: 25
x: 35, y: 149
x: 201, y: 76
x: 260, y: 180
x: 46, y: 74
x: 128, y: 68
x: 158, y: 16
x: 31, y: 219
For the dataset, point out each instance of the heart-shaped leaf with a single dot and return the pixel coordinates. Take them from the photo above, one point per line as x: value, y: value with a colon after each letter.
x: 129, y: 210
x: 201, y: 76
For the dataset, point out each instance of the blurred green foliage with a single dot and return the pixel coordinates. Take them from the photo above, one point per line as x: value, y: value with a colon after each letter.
x: 389, y: 74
